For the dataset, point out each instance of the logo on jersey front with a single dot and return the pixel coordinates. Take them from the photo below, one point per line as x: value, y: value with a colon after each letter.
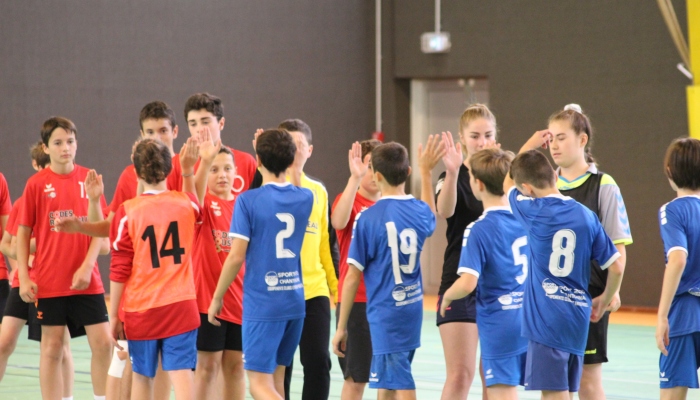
x: 217, y: 209
x: 51, y: 192
x: 54, y: 215
x: 222, y: 241
x: 280, y: 281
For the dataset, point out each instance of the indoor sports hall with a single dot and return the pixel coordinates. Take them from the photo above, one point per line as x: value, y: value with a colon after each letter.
x: 356, y: 70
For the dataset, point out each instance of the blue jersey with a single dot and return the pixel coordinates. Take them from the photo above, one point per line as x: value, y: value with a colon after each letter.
x: 564, y: 237
x: 494, y: 249
x: 273, y: 220
x: 387, y: 240
x: 680, y: 231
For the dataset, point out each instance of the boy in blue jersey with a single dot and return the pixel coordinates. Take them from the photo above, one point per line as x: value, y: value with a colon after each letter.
x: 385, y: 249
x: 678, y: 328
x: 564, y: 237
x: 268, y: 229
x: 494, y: 259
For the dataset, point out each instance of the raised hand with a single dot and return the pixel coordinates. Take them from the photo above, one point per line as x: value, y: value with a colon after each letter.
x: 453, y: 153
x: 539, y: 139
x: 429, y: 156
x: 189, y: 153
x: 358, y: 167
x: 207, y: 148
x: 258, y: 132
x: 94, y: 187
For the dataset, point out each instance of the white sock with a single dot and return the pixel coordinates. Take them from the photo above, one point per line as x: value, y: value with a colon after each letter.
x: 96, y: 397
x: 67, y: 398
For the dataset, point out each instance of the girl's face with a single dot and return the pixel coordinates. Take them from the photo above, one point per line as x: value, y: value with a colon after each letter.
x: 221, y: 175
x: 567, y: 148
x: 478, y: 134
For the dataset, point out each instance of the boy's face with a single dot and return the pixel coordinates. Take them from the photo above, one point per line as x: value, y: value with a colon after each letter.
x: 199, y: 120
x: 222, y: 175
x: 62, y: 146
x: 367, y: 182
x: 160, y: 130
x: 304, y: 149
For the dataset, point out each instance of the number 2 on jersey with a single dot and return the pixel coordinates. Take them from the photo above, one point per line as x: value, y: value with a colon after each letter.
x: 409, y: 247
x: 176, y: 252
x: 285, y: 233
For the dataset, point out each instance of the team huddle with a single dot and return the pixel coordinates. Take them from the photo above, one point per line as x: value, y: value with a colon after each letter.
x: 223, y: 263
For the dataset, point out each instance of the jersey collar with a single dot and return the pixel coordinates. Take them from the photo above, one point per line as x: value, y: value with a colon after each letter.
x: 558, y: 196
x: 404, y: 197
x: 278, y: 184
x: 499, y: 208
x: 154, y: 191
x: 592, y: 169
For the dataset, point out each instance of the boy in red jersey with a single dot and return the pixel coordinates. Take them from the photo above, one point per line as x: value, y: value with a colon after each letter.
x: 219, y: 348
x: 360, y: 193
x: 5, y: 208
x: 152, y: 237
x: 65, y: 282
x: 203, y: 112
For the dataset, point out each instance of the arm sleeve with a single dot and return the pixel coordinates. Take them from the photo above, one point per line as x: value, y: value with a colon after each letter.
x: 524, y: 208
x: 473, y: 257
x: 613, y: 213
x: 357, y: 255
x: 122, y: 248
x: 5, y: 201
x: 12, y: 222
x: 240, y: 223
x: 672, y: 230
x: 438, y: 185
x: 604, y: 251
x: 429, y: 220
x: 325, y: 250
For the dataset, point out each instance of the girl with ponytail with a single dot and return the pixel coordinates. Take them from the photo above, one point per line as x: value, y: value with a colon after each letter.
x: 579, y: 178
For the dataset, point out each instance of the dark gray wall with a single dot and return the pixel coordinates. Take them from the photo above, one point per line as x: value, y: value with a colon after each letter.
x: 614, y: 58
x: 99, y: 62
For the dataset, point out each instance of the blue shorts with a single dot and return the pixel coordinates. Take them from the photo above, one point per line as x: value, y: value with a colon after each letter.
x: 680, y: 368
x: 505, y: 371
x: 177, y: 353
x: 547, y: 368
x: 269, y: 344
x: 392, y: 371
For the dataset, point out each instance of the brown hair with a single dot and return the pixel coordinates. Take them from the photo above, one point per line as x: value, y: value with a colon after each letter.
x: 296, y: 125
x: 157, y: 110
x: 152, y: 161
x: 475, y: 111
x: 52, y: 124
x: 580, y: 123
x: 226, y: 150
x: 368, y: 146
x: 682, y: 163
x: 391, y: 160
x: 206, y: 101
x: 490, y: 166
x: 39, y: 155
x: 533, y: 168
x: 276, y: 150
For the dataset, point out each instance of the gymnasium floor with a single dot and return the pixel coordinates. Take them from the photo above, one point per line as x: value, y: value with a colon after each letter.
x: 631, y: 374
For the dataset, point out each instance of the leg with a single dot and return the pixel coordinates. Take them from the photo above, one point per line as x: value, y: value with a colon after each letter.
x: 101, y: 347
x: 234, y: 376
x: 313, y: 349
x: 142, y: 387
x: 50, y: 361
x: 118, y: 372
x: 386, y: 394
x: 205, y: 376
x: 67, y: 371
x: 484, y: 393
x: 406, y: 395
x: 459, y: 341
x: 592, y: 383
x: 11, y: 328
x: 551, y: 395
x: 288, y: 380
x: 264, y: 386
x: 127, y: 381
x: 183, y: 382
x: 161, y: 384
x: 352, y: 390
x: 676, y: 393
x: 502, y: 392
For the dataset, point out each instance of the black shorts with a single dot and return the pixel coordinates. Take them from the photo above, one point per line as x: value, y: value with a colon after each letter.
x: 78, y: 310
x: 218, y: 338
x: 597, y: 344
x: 4, y: 294
x: 17, y: 308
x: 462, y: 310
x: 358, y: 350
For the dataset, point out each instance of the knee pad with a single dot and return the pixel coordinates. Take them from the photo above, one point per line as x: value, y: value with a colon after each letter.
x: 116, y: 368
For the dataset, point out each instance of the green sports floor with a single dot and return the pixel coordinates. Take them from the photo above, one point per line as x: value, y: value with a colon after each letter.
x: 631, y: 374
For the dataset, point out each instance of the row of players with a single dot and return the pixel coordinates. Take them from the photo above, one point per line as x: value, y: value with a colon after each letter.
x: 407, y: 247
